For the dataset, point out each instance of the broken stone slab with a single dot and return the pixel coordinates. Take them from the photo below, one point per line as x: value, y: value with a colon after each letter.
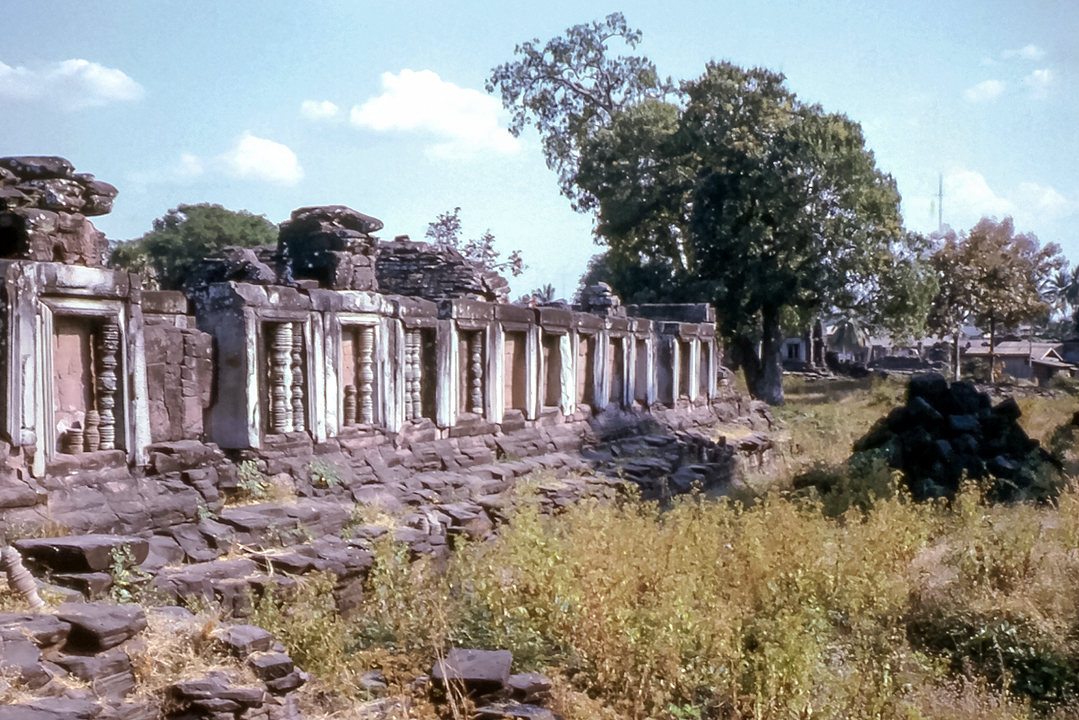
x: 516, y: 711
x: 21, y: 659
x: 270, y: 665
x: 479, y: 671
x: 527, y: 687
x: 81, y: 553
x: 288, y: 683
x: 242, y: 640
x: 35, y: 167
x: 52, y: 709
x: 109, y: 673
x: 92, y: 585
x: 96, y: 627
x: 43, y: 630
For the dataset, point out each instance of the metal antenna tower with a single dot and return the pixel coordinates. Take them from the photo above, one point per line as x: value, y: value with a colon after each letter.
x: 940, y: 203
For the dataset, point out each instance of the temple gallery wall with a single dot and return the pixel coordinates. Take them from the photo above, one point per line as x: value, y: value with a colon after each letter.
x: 127, y: 410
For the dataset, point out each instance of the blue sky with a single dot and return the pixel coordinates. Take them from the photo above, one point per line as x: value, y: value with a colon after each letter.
x: 269, y: 106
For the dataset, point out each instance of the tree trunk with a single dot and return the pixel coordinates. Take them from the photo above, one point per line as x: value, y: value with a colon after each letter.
x: 763, y: 363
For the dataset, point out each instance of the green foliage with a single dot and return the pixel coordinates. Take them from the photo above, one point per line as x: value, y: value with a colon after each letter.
x: 446, y: 232
x: 992, y: 276
x: 185, y: 236
x: 128, y: 580
x: 570, y: 87
x: 306, y: 622
x: 323, y: 474
x: 741, y: 194
x: 251, y: 483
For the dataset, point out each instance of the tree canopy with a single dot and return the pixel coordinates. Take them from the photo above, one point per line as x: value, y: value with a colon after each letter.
x: 994, y: 277
x: 186, y: 235
x: 729, y: 190
x: 446, y: 232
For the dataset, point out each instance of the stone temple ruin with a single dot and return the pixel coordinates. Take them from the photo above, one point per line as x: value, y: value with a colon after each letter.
x: 386, y: 372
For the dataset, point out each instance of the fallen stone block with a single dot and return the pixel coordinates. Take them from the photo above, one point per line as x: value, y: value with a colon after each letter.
x: 81, y: 553
x: 96, y: 627
x: 479, y: 671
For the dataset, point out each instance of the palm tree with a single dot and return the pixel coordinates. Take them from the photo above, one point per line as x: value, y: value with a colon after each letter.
x: 849, y: 335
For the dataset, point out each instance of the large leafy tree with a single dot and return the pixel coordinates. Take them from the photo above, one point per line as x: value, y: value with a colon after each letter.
x: 185, y: 236
x: 994, y: 277
x: 730, y: 190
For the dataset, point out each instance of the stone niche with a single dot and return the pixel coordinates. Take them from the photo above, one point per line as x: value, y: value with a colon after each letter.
x: 556, y: 371
x: 519, y: 366
x: 362, y: 342
x: 471, y: 365
x: 268, y: 341
x: 643, y: 363
x: 419, y: 367
x: 589, y: 358
x: 75, y: 376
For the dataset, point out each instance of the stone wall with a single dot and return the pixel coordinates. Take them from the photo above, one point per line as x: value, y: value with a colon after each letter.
x: 424, y: 270
x: 179, y: 368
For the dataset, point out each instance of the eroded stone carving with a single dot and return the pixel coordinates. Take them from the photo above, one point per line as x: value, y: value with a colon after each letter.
x: 413, y: 375
x: 475, y: 351
x: 108, y: 345
x: 367, y: 375
x: 280, y: 374
x: 298, y: 418
x: 350, y: 405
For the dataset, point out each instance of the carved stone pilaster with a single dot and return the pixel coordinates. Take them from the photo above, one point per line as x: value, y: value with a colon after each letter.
x: 413, y: 375
x: 92, y: 432
x: 280, y: 373
x: 108, y: 344
x: 367, y: 375
x: 350, y: 405
x: 475, y: 351
x: 298, y: 419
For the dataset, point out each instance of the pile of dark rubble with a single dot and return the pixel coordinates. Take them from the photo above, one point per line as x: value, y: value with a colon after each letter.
x: 79, y: 663
x: 44, y: 206
x: 944, y: 433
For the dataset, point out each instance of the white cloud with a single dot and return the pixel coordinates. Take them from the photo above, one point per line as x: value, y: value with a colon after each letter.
x: 464, y: 120
x: 190, y: 167
x: 255, y: 158
x: 984, y: 91
x: 314, y: 110
x: 71, y: 84
x: 1040, y: 201
x: 1030, y: 52
x: 1038, y: 82
x: 967, y: 194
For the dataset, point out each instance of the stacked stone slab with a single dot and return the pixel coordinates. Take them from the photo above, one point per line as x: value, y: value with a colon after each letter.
x: 431, y: 271
x: 44, y: 206
x: 333, y: 245
x: 945, y: 432
x: 179, y: 368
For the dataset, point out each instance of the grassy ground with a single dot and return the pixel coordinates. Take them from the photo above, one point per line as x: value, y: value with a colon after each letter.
x: 778, y: 608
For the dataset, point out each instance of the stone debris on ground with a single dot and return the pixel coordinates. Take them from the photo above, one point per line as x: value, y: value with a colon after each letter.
x: 97, y: 644
x: 944, y: 433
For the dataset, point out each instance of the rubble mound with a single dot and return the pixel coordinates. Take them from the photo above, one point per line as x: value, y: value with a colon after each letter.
x: 945, y: 431
x: 333, y: 245
x: 420, y: 269
x: 44, y: 206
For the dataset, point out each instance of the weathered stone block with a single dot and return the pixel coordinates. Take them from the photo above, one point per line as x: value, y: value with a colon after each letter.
x: 96, y: 627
